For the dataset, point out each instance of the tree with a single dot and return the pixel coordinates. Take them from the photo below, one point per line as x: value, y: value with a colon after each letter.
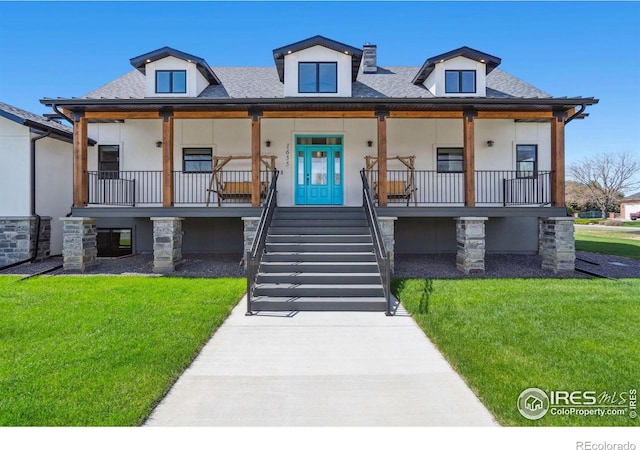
x: 606, y: 177
x: 578, y: 197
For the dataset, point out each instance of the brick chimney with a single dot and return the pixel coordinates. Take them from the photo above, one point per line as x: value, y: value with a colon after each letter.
x: 369, y: 58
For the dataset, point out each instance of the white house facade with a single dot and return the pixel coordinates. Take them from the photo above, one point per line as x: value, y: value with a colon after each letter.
x: 36, y: 186
x: 451, y: 140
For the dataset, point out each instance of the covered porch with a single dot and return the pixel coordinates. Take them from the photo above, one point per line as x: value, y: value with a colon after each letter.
x: 480, y: 177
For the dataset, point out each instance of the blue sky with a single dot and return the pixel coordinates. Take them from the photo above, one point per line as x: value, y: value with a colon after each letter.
x: 65, y: 49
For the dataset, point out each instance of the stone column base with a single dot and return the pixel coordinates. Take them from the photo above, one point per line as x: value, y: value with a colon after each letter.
x: 167, y: 243
x: 250, y: 227
x: 387, y: 229
x: 79, y: 245
x: 471, y: 244
x: 557, y: 244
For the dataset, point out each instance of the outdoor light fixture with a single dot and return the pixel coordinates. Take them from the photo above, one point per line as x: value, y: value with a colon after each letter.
x: 268, y: 143
x: 369, y: 143
x: 489, y: 143
x: 159, y: 144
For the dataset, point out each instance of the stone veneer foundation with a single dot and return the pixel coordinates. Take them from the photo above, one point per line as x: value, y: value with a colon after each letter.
x: 471, y: 244
x: 18, y: 239
x: 79, y: 243
x: 167, y: 243
x: 250, y: 227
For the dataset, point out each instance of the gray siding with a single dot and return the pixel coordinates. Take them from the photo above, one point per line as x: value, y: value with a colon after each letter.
x: 515, y: 235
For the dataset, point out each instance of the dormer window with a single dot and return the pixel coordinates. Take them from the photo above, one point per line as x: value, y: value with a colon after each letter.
x: 171, y: 81
x: 317, y: 77
x: 460, y: 81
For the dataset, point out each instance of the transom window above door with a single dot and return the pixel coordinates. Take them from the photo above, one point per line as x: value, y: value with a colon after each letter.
x: 317, y: 77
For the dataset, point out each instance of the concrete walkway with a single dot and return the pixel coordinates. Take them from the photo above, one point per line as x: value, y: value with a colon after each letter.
x: 320, y: 369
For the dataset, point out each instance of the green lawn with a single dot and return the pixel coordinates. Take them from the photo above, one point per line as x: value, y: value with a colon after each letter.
x: 95, y: 351
x: 610, y: 242
x: 504, y: 336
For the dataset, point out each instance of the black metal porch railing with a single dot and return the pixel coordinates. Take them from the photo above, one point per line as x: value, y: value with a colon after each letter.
x: 493, y: 187
x: 378, y: 243
x: 535, y: 190
x: 254, y: 255
x: 144, y: 187
x: 118, y: 188
x: 504, y: 187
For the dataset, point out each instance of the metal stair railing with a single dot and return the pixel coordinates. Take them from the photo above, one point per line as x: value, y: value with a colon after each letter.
x: 382, y: 257
x: 254, y: 255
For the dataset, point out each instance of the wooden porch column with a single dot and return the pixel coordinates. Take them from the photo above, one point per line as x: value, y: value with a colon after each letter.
x: 255, y: 160
x: 557, y: 159
x: 382, y: 157
x: 469, y: 158
x: 167, y: 159
x: 80, y: 176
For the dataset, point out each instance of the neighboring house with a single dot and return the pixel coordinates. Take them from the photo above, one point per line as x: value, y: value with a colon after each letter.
x: 36, y: 155
x: 472, y: 141
x: 629, y: 205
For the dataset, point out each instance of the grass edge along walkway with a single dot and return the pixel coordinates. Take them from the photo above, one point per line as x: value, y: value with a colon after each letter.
x: 101, y: 351
x: 506, y: 335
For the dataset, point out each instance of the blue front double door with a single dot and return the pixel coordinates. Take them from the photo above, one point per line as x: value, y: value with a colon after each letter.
x: 319, y: 166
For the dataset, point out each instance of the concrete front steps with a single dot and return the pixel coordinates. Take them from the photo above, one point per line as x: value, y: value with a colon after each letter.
x: 319, y: 259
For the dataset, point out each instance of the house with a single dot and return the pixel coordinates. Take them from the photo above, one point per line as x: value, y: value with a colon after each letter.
x: 36, y: 186
x: 533, y: 403
x: 460, y: 156
x: 629, y: 205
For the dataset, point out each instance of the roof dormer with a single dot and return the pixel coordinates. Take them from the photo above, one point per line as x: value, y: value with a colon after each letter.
x: 317, y: 67
x: 172, y: 73
x: 458, y: 73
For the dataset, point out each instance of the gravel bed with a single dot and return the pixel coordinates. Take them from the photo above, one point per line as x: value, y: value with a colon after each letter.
x: 609, y: 266
x: 496, y: 266
x: 202, y: 265
x: 211, y: 265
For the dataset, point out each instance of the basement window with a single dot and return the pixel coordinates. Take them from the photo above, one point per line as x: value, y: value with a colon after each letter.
x: 114, y: 242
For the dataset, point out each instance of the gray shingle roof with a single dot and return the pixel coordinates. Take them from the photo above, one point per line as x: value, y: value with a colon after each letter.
x: 263, y: 82
x: 35, y: 121
x: 635, y: 196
